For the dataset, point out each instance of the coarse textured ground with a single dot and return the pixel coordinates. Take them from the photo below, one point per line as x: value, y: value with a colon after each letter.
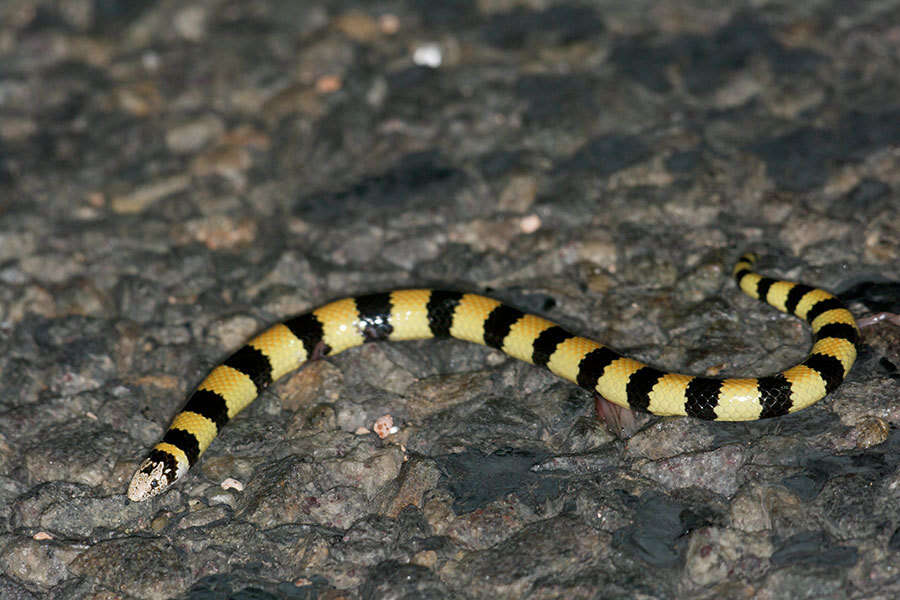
x: 175, y: 176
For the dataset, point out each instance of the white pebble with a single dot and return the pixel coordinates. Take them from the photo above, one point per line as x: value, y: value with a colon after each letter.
x: 232, y: 484
x: 428, y: 55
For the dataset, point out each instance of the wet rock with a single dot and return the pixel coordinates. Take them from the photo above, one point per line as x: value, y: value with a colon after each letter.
x: 134, y: 566
x: 697, y: 470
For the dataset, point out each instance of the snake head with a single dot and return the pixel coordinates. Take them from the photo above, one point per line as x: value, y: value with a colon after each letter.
x: 160, y: 470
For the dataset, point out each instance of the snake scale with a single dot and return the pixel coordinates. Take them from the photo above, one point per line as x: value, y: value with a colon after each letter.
x: 426, y: 313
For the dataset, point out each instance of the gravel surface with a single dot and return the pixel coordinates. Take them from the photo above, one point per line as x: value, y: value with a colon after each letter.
x: 175, y: 176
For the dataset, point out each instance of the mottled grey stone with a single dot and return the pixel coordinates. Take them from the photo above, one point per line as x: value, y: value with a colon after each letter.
x: 174, y: 176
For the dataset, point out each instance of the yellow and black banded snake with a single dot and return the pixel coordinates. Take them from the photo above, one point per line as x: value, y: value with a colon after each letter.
x: 426, y: 313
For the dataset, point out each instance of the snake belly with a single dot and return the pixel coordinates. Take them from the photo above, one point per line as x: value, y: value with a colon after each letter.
x: 427, y: 313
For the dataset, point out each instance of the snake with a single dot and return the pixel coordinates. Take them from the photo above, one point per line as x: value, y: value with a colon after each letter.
x: 411, y: 314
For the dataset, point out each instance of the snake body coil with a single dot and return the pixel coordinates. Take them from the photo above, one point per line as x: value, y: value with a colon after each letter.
x: 420, y: 314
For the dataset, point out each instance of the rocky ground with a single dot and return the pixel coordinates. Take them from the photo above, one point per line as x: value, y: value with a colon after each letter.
x: 175, y: 176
